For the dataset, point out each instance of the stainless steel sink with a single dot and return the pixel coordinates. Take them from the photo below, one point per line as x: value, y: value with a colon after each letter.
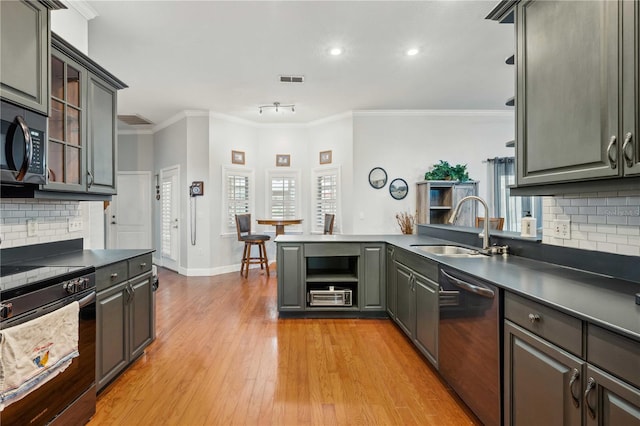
x: 450, y: 251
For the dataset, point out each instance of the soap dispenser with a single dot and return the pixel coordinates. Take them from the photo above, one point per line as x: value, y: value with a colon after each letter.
x: 528, y: 228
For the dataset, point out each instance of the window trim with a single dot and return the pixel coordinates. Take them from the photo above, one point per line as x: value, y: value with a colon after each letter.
x: 238, y: 171
x: 295, y: 173
x: 322, y: 171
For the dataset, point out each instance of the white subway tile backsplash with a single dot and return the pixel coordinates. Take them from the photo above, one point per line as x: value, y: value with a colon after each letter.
x: 628, y: 250
x: 597, y: 219
x: 617, y: 239
x: 603, y: 221
x: 579, y: 202
x: 51, y: 217
x: 597, y: 201
x: 616, y: 220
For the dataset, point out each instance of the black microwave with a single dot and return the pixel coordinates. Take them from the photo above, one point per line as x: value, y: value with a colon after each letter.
x: 23, y: 145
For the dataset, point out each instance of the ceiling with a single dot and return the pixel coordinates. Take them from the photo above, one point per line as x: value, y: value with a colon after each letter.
x: 227, y: 57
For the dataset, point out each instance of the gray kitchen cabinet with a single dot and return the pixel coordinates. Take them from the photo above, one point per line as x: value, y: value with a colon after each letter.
x: 101, y: 136
x: 555, y: 373
x: 543, y: 383
x: 112, y: 345
x: 66, y: 139
x: 610, y: 401
x: 82, y: 128
x: 373, y: 285
x: 391, y: 282
x: 24, y: 53
x: 332, y: 278
x: 291, y: 283
x: 405, y: 306
x: 124, y: 315
x: 417, y: 301
x: 435, y: 201
x: 427, y: 317
x: 577, y: 86
x: 630, y: 148
x: 140, y: 312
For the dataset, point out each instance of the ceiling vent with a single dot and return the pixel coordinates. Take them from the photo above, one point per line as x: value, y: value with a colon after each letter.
x: 134, y: 120
x: 291, y: 79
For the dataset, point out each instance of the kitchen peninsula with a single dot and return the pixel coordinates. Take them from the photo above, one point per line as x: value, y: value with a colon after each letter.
x: 582, y: 316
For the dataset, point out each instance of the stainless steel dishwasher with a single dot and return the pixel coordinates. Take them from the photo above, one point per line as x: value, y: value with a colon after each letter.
x: 469, y: 342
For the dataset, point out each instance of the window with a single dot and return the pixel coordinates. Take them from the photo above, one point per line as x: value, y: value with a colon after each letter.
x: 284, y: 199
x: 237, y: 196
x: 501, y: 176
x: 326, y: 190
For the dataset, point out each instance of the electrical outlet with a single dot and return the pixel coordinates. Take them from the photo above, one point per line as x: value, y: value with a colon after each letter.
x: 75, y: 224
x: 32, y: 228
x: 562, y: 229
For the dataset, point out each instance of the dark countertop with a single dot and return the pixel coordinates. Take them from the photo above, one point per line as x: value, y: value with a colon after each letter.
x: 598, y: 299
x: 96, y: 258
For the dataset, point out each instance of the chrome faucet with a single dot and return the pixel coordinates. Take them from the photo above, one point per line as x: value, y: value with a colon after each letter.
x: 485, y: 237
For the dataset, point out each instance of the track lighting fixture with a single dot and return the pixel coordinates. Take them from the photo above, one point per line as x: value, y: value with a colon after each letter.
x: 277, y: 106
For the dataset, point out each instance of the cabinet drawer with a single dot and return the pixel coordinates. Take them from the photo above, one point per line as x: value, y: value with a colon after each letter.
x: 614, y: 353
x: 139, y: 265
x: 554, y: 326
x: 111, y: 275
x: 332, y: 249
x: 420, y: 264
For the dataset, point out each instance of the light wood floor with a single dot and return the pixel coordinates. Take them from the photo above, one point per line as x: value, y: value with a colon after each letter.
x: 223, y: 357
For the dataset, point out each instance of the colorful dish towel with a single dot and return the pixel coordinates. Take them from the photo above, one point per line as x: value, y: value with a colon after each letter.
x: 36, y: 351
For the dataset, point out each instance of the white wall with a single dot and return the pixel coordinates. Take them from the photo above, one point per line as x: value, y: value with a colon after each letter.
x: 135, y: 152
x: 407, y: 143
x: 72, y: 26
x: 170, y: 149
x: 198, y: 255
x: 334, y: 134
x: 225, y: 135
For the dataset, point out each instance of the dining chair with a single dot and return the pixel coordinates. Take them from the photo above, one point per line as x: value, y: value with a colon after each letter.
x: 243, y: 227
x: 496, y: 223
x: 328, y: 223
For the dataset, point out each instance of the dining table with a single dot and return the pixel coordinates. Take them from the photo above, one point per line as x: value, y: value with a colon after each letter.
x: 279, y: 223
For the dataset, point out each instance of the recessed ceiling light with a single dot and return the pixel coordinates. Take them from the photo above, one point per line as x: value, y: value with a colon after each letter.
x: 336, y: 51
x: 412, y: 52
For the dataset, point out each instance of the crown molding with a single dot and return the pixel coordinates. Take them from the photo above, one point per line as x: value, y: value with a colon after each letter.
x: 347, y: 114
x: 82, y: 7
x: 434, y: 113
x: 136, y: 132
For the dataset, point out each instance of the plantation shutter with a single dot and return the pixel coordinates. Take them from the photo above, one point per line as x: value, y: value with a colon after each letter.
x: 238, y: 201
x: 326, y: 198
x: 283, y: 197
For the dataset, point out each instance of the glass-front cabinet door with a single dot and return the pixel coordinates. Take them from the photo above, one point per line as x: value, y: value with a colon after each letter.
x: 67, y: 134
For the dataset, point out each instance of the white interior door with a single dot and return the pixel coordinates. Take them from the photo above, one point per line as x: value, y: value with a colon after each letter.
x: 129, y: 214
x: 169, y: 214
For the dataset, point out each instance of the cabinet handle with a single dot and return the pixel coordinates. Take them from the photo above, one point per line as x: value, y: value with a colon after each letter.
x: 612, y: 152
x: 575, y: 375
x: 128, y: 293
x: 627, y: 149
x: 590, y: 385
x: 114, y: 275
x: 90, y: 183
x: 534, y: 318
x: 143, y: 264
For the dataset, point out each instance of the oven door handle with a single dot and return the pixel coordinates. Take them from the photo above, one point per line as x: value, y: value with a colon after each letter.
x: 90, y: 298
x: 480, y: 291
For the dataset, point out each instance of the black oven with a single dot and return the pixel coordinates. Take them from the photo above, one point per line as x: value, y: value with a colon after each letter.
x: 23, y: 146
x: 32, y: 291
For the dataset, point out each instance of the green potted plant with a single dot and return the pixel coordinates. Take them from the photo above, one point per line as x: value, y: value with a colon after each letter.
x: 445, y: 171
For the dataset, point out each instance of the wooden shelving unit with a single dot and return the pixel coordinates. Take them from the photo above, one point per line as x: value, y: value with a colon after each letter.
x: 437, y: 198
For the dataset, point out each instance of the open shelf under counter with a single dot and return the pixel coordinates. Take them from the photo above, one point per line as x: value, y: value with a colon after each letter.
x: 323, y: 276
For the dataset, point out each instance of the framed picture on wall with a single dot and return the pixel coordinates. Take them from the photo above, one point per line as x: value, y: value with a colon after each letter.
x: 237, y: 157
x: 283, y: 160
x: 325, y: 157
